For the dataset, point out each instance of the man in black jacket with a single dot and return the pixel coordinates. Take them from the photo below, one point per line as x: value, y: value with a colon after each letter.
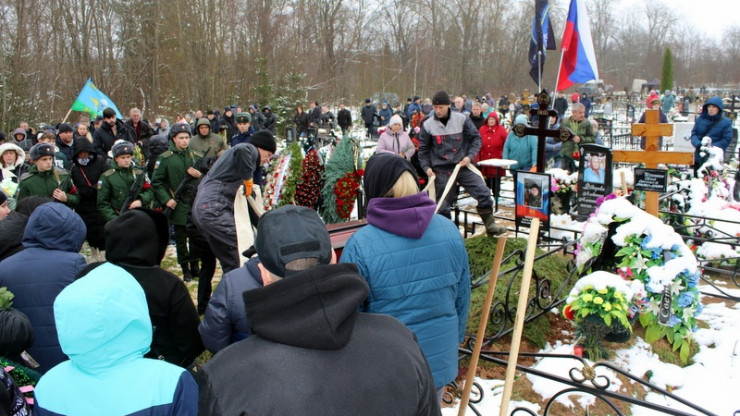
x: 309, y: 337
x: 344, y: 119
x: 229, y: 123
x: 137, y: 241
x: 561, y: 105
x: 368, y: 114
x: 110, y: 130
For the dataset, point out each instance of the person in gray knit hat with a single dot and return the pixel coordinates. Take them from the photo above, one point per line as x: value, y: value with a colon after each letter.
x: 449, y: 138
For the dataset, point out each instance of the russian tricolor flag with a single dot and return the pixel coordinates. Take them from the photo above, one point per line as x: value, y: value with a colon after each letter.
x: 578, y: 64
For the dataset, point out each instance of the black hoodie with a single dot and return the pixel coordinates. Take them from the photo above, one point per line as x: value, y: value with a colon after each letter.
x: 309, y: 338
x: 137, y: 241
x: 85, y: 178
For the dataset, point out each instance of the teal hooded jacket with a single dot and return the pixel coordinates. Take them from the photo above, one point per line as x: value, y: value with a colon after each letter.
x: 104, y: 328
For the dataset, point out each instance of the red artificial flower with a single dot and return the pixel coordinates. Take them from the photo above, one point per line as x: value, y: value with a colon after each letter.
x: 569, y: 313
x: 576, y: 155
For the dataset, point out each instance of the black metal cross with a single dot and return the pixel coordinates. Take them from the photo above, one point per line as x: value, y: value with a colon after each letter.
x: 542, y: 131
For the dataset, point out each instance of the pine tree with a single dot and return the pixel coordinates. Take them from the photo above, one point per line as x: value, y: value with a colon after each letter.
x: 666, y: 80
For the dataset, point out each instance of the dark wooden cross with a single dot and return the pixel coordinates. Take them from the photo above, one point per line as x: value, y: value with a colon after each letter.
x: 542, y: 131
x: 652, y: 129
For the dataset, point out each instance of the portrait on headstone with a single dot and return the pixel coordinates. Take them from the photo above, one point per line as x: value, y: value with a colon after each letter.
x: 532, y: 195
x: 594, y: 171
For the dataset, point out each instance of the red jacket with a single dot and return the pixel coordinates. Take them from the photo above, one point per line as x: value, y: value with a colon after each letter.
x: 492, y: 145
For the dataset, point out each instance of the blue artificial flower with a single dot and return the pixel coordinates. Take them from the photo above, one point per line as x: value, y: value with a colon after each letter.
x: 699, y: 309
x: 656, y: 252
x: 645, y: 241
x: 673, y: 320
x: 685, y: 299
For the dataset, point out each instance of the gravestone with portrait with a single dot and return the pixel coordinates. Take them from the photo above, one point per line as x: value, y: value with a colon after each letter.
x: 532, y: 198
x: 594, y: 178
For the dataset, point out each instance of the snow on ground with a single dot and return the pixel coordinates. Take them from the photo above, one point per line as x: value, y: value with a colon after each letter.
x: 710, y: 382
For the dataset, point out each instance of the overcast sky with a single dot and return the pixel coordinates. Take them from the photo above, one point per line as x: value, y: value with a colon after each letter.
x: 708, y: 16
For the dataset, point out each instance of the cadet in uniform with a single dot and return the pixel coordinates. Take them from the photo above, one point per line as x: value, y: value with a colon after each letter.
x: 115, y: 183
x: 44, y: 179
x: 171, y: 168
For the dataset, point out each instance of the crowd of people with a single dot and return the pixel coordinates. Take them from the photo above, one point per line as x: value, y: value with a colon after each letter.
x: 293, y: 314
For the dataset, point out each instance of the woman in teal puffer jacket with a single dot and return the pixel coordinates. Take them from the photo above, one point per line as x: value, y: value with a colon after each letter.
x: 522, y: 149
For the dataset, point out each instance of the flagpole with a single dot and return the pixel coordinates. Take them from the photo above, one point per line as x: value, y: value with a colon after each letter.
x: 539, y: 71
x: 65, y: 117
x: 557, y: 78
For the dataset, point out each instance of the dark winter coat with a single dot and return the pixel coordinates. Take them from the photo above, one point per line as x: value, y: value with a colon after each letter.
x: 169, y: 171
x: 587, y: 103
x: 225, y: 321
x: 66, y: 149
x: 718, y: 127
x: 114, y: 186
x: 11, y: 234
x: 34, y: 182
x: 430, y: 295
x: 103, y: 138
x: 50, y: 261
x: 137, y: 242
x: 314, y: 115
x: 145, y: 130
x: 344, y: 118
x: 13, y: 226
x: 258, y: 119
x: 301, y: 122
x: 561, y: 106
x: 85, y: 179
x: 229, y: 123
x: 368, y: 114
x: 157, y: 145
x: 385, y: 114
x: 215, y: 125
x: 477, y: 121
x: 25, y: 143
x: 213, y: 207
x: 242, y: 137
x: 308, y: 335
x: 270, y: 122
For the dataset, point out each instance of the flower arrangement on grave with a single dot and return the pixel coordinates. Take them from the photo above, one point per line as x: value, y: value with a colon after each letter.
x: 282, y: 177
x: 562, y: 181
x: 638, y: 247
x: 599, y: 306
x: 294, y: 176
x: 308, y: 191
x: 345, y: 192
x: 563, y: 185
x: 342, y: 181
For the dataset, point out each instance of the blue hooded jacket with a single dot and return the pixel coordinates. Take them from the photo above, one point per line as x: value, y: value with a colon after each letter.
x: 104, y: 328
x: 717, y: 127
x: 417, y: 268
x: 51, y: 260
x: 522, y: 149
